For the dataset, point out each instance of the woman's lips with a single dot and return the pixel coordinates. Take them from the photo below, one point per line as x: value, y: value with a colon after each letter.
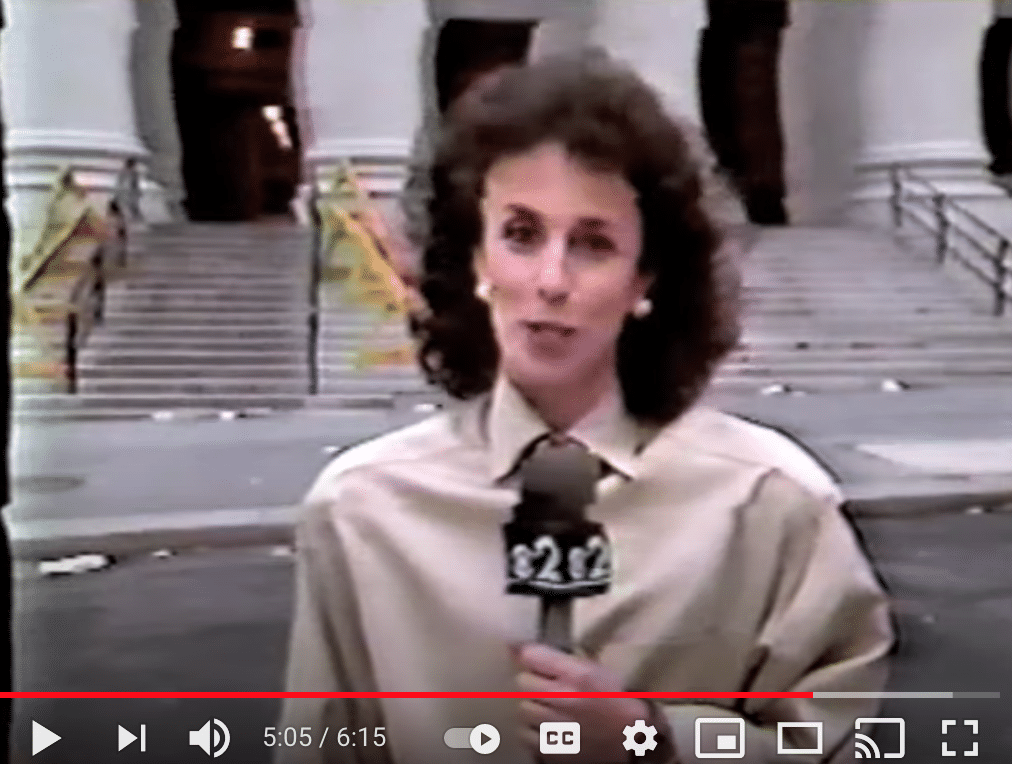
x: 541, y: 328
x: 549, y: 340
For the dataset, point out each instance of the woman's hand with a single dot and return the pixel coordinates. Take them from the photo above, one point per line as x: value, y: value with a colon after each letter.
x: 602, y: 720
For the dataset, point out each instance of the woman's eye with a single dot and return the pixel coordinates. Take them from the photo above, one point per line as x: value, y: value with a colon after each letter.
x: 598, y: 245
x: 523, y: 235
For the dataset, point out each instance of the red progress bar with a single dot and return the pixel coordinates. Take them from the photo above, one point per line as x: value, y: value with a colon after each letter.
x: 252, y: 695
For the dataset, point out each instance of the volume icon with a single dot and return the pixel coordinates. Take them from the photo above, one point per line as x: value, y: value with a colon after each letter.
x: 203, y: 738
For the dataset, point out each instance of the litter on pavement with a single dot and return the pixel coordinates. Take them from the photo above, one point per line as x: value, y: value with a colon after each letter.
x: 82, y: 563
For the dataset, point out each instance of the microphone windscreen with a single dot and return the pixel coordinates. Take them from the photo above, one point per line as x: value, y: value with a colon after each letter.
x: 560, y: 479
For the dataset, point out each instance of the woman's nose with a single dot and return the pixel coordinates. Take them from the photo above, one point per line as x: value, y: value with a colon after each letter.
x: 552, y: 277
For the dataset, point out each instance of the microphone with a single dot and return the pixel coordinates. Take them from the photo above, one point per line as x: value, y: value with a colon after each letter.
x: 552, y: 551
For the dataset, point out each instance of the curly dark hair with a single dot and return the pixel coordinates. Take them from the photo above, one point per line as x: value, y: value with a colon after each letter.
x: 608, y: 118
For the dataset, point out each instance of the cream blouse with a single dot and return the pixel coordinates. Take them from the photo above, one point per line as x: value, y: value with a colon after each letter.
x: 734, y: 570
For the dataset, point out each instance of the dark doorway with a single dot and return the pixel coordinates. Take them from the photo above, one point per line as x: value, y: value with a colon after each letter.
x: 994, y: 94
x: 468, y: 48
x: 231, y: 66
x: 739, y: 93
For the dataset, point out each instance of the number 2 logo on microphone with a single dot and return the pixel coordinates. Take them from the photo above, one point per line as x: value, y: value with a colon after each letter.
x: 556, y: 564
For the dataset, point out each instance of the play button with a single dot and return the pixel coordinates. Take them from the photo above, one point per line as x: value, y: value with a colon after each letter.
x: 484, y: 738
x: 43, y: 738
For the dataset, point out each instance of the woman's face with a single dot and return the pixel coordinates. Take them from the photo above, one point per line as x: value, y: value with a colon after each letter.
x: 560, y: 250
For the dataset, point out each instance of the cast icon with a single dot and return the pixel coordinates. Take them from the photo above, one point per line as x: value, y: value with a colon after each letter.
x: 866, y: 748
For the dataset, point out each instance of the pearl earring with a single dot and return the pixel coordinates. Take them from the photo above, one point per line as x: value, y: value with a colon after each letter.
x: 643, y: 307
x: 483, y: 291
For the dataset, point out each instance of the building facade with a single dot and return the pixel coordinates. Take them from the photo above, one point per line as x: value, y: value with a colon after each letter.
x: 861, y: 85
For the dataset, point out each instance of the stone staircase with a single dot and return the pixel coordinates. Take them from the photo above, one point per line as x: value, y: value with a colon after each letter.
x: 212, y: 320
x: 832, y: 309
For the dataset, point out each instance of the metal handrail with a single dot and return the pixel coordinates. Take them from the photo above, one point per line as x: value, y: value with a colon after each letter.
x: 315, y: 277
x: 75, y: 311
x: 944, y: 225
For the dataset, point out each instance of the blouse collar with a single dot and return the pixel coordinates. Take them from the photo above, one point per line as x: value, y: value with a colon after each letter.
x: 512, y: 424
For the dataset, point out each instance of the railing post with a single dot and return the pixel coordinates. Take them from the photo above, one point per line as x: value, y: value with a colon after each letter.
x: 1001, y: 273
x: 71, y: 353
x: 942, y: 234
x: 98, y: 293
x: 895, y: 197
x: 314, y: 289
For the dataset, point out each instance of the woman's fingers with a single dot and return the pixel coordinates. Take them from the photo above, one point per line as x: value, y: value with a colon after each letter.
x: 576, y: 673
x: 531, y: 738
x: 535, y: 684
x: 533, y: 713
x: 547, y: 661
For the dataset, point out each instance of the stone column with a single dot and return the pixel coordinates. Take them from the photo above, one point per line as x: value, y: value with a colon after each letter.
x: 155, y: 111
x: 660, y: 38
x: 355, y: 69
x: 66, y: 97
x: 919, y: 97
x: 822, y: 73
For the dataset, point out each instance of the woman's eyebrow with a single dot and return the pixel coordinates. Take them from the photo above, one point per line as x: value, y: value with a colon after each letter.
x: 520, y: 209
x: 594, y: 223
x: 591, y: 222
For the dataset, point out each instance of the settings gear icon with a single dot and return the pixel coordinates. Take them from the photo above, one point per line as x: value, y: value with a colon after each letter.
x: 649, y: 733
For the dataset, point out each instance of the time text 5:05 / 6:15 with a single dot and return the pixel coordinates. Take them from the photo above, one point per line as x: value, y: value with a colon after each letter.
x: 304, y: 737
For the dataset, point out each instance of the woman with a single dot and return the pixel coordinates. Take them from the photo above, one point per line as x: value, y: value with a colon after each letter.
x: 573, y: 287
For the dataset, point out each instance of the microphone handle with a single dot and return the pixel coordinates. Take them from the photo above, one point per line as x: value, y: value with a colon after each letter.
x: 555, y: 629
x: 555, y: 624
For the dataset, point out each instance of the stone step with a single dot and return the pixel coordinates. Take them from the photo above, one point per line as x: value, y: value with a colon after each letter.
x: 197, y: 409
x: 791, y: 281
x: 227, y: 321
x: 281, y: 313
x: 145, y: 272
x: 100, y: 346
x: 107, y: 336
x: 898, y: 355
x: 256, y: 256
x: 800, y: 343
x: 267, y: 289
x: 200, y: 386
x: 823, y: 300
x: 197, y: 302
x: 187, y: 303
x: 345, y: 325
x: 213, y: 269
x: 840, y: 384
x: 153, y: 402
x: 884, y: 369
x: 140, y: 287
x: 275, y: 371
x: 222, y: 387
x: 146, y: 372
x: 194, y: 358
x: 822, y: 327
